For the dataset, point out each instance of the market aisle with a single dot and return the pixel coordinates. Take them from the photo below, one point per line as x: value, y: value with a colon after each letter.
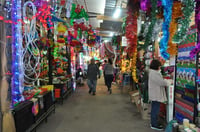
x: 101, y: 113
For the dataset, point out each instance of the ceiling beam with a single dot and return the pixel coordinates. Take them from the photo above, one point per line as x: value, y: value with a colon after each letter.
x: 104, y: 35
x: 108, y: 18
x: 107, y: 30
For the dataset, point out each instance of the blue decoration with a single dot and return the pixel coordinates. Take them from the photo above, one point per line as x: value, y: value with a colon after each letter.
x: 167, y: 7
x: 17, y: 61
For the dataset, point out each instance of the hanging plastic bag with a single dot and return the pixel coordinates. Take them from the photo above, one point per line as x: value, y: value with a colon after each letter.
x: 169, y: 127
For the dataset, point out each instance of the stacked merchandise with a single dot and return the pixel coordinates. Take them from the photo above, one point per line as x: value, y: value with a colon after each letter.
x: 185, y: 88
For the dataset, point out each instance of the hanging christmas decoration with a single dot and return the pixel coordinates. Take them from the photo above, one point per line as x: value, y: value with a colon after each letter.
x: 152, y: 23
x: 144, y: 5
x: 44, y: 15
x: 157, y: 29
x: 131, y: 35
x: 187, y: 9
x: 167, y: 7
x: 176, y: 13
x: 78, y: 14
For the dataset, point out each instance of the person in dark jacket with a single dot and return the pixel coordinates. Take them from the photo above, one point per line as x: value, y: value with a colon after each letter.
x: 109, y: 71
x: 92, y: 74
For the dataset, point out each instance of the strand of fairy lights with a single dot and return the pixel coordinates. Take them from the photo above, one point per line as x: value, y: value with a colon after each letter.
x: 31, y: 54
x: 17, y: 61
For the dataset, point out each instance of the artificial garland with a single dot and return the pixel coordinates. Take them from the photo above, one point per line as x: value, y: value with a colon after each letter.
x: 197, y: 20
x: 176, y: 12
x: 131, y: 35
x: 151, y: 26
x: 134, y: 59
x: 167, y: 7
x: 184, y: 23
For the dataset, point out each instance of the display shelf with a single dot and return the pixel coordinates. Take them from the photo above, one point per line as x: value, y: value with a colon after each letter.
x: 185, y: 86
x: 42, y: 118
x: 65, y: 90
x: 24, y: 116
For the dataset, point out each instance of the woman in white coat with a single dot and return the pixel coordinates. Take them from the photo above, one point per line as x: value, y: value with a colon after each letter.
x: 157, y: 92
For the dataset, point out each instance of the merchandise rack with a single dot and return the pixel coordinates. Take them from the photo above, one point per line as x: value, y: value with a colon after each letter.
x: 65, y: 90
x: 185, y: 97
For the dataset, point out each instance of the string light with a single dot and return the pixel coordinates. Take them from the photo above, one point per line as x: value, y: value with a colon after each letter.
x: 17, y: 61
x: 31, y: 54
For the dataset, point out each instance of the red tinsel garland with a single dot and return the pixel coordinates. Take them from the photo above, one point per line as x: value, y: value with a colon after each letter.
x: 131, y: 32
x: 131, y: 35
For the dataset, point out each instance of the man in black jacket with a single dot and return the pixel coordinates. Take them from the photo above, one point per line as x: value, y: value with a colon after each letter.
x: 92, y: 74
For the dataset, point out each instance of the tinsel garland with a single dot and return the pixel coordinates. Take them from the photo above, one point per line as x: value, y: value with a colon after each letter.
x: 151, y: 26
x: 144, y: 5
x: 134, y: 59
x: 184, y: 23
x: 176, y: 12
x: 197, y: 21
x: 131, y: 35
x: 167, y: 7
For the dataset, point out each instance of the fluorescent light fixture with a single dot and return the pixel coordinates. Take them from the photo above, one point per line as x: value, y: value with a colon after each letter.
x: 111, y: 34
x: 106, y: 41
x: 117, y: 13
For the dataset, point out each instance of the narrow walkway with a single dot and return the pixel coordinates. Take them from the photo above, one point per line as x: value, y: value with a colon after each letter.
x: 101, y: 113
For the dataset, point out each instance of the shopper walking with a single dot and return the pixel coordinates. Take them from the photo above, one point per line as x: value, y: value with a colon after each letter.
x: 92, y: 74
x: 103, y: 66
x: 157, y: 94
x: 108, y: 71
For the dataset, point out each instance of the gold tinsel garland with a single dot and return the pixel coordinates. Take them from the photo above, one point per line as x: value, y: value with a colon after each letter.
x: 134, y: 59
x: 176, y: 13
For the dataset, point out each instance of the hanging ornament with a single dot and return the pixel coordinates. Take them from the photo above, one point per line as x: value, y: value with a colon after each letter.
x: 78, y: 14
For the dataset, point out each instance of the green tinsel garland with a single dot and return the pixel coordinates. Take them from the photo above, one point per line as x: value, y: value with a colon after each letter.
x: 187, y: 10
x: 151, y: 26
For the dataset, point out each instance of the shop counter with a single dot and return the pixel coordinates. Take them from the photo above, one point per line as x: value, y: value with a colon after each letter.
x: 25, y: 120
x: 62, y: 91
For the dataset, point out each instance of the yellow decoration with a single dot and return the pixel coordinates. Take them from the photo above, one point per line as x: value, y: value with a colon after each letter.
x: 176, y: 12
x: 61, y: 28
x: 134, y: 59
x: 49, y: 87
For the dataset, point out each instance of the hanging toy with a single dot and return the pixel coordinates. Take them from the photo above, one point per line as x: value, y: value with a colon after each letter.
x: 35, y: 107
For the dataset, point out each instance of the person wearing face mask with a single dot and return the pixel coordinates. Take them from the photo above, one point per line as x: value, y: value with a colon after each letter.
x: 157, y: 92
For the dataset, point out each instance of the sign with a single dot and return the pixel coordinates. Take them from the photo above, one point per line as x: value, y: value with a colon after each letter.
x: 124, y: 41
x: 170, y: 104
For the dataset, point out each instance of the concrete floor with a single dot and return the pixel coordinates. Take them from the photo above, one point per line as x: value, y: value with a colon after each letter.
x: 82, y: 112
